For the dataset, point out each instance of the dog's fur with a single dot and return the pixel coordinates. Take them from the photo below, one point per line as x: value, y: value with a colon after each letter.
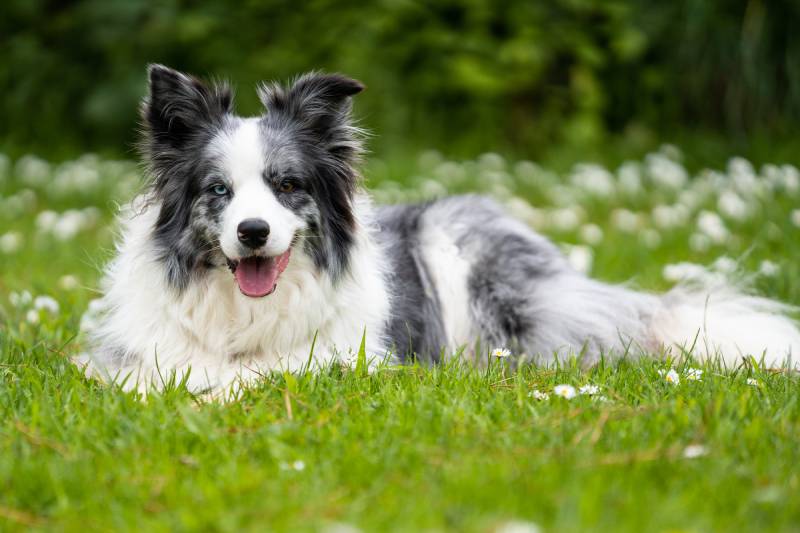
x: 423, y: 281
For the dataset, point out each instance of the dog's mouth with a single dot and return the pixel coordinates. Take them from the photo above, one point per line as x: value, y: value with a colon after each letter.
x: 258, y: 276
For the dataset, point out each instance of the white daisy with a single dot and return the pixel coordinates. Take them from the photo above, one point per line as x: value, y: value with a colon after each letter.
x: 46, y: 303
x: 501, y: 353
x: 694, y: 374
x: 589, y: 390
x: 693, y: 451
x: 670, y: 376
x: 564, y: 391
x: 536, y: 394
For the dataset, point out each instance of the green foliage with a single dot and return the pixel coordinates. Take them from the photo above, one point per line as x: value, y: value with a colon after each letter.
x: 470, y: 73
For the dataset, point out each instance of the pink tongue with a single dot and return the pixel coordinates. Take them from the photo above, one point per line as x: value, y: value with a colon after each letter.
x: 256, y: 276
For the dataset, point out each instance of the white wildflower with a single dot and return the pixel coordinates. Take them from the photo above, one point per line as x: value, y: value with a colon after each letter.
x: 20, y: 299
x: 725, y: 264
x: 46, y: 303
x: 501, y: 353
x: 32, y: 170
x: 791, y: 178
x: 671, y: 151
x: 580, y: 258
x: 536, y: 394
x: 665, y: 172
x: 491, y: 161
x: 91, y: 318
x: 699, y: 242
x: 527, y: 172
x: 297, y: 465
x: 768, y: 268
x: 593, y: 179
x: 562, y: 195
x: 46, y: 220
x: 670, y: 216
x: 795, y: 217
x: 565, y: 391
x: 565, y: 219
x: 711, y: 225
x: 672, y: 377
x: 694, y: 374
x: 625, y: 220
x: 589, y: 390
x: 693, y: 451
x: 518, y: 526
x: 432, y: 189
x: 69, y: 224
x: 521, y: 209
x: 743, y: 175
x: 650, y: 238
x: 450, y: 173
x: 630, y: 178
x: 10, y: 242
x: 68, y: 282
x: 731, y: 205
x: 591, y: 234
x: 683, y: 271
x: 32, y: 316
x: 753, y: 382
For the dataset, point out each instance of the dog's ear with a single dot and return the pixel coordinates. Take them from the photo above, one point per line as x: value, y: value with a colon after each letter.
x: 179, y: 106
x: 321, y: 104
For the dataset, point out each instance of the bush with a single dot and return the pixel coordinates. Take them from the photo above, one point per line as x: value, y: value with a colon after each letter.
x: 477, y: 72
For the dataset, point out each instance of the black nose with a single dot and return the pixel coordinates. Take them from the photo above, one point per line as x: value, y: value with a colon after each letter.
x: 253, y: 232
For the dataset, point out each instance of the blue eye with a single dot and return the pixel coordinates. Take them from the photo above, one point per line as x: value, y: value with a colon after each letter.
x: 219, y: 189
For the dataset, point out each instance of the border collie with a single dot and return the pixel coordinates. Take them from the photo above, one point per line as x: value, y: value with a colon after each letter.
x: 255, y: 241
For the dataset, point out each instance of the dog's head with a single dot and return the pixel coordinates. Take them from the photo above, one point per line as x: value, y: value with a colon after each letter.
x: 245, y: 193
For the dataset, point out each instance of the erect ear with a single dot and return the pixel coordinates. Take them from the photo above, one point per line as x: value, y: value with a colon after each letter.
x: 179, y: 106
x: 321, y: 104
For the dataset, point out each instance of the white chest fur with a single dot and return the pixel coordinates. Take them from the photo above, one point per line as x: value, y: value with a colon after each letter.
x: 221, y: 334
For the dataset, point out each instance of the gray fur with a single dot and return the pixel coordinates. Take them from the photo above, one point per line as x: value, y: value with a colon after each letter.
x: 523, y: 294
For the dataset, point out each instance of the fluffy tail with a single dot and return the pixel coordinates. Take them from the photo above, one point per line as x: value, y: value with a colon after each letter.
x: 716, y: 320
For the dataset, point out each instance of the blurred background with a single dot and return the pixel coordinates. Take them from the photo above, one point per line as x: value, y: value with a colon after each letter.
x: 550, y: 81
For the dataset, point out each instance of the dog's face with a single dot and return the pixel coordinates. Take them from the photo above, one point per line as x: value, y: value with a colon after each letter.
x: 246, y: 193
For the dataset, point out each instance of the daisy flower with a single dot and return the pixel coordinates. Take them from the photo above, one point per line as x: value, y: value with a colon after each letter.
x: 536, y: 394
x: 589, y: 390
x: 753, y: 382
x: 693, y: 451
x: 694, y: 374
x: 565, y: 391
x: 501, y: 353
x: 670, y: 377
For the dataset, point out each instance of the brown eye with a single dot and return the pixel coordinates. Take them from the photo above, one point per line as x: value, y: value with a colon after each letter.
x: 286, y: 186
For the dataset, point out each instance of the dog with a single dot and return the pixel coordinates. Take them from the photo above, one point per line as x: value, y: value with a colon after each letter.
x: 255, y: 248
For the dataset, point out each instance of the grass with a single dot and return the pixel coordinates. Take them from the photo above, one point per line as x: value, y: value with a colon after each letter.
x: 409, y: 448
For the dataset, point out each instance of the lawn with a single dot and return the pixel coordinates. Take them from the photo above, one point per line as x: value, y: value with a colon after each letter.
x: 658, y: 444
